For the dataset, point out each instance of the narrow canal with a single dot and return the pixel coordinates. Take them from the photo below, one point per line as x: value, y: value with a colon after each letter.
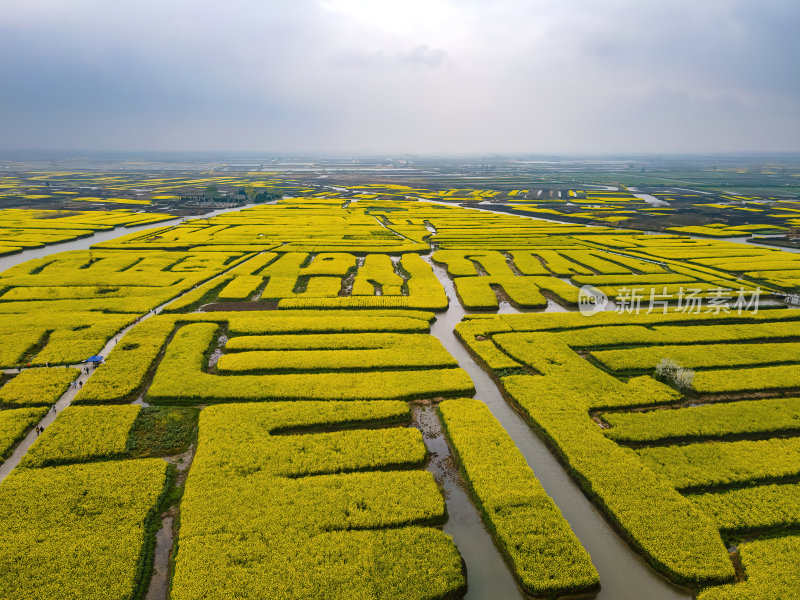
x: 623, y: 574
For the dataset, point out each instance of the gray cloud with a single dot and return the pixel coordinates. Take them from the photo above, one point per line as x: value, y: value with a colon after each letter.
x: 418, y: 56
x: 401, y: 75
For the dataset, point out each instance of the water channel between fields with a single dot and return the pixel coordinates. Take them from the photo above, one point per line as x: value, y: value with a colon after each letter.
x: 623, y: 574
x: 84, y: 243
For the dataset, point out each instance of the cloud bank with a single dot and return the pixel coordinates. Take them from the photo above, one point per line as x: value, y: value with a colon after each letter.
x: 420, y: 76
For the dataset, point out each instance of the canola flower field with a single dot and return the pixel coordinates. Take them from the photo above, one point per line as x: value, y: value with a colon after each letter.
x: 22, y: 229
x: 259, y: 372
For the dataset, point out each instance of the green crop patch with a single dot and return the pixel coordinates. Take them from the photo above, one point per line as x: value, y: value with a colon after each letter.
x: 162, y: 431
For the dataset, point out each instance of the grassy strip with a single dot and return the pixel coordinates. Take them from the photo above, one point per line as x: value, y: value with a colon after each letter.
x: 633, y: 334
x: 703, y: 356
x: 568, y: 321
x: 408, y: 351
x: 744, y: 380
x: 367, y: 302
x: 312, y: 341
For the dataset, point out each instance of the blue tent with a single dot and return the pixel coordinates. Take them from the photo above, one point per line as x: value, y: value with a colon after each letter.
x: 95, y: 358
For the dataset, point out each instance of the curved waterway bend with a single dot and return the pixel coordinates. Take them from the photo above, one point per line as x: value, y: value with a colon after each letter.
x: 624, y: 575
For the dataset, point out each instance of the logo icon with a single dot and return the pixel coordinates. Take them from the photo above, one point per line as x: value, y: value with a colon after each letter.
x: 591, y: 300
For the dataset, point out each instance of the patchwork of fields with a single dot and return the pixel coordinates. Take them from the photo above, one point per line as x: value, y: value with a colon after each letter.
x: 23, y: 229
x: 260, y: 372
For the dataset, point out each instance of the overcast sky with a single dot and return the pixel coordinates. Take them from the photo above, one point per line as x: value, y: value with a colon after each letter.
x: 421, y: 76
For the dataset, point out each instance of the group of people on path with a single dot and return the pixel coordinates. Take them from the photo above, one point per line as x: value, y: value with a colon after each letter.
x: 40, y: 428
x: 75, y: 384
